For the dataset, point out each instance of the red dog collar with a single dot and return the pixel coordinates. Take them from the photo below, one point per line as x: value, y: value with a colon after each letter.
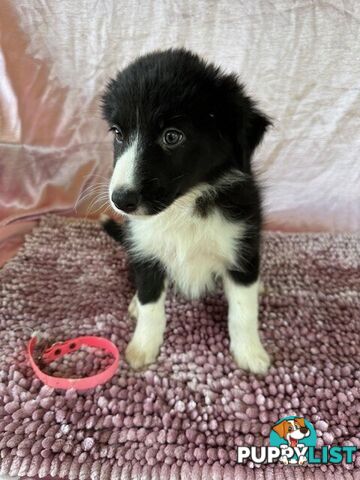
x: 48, y: 354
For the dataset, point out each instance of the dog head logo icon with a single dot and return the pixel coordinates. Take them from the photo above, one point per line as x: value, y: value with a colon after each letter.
x: 293, y: 435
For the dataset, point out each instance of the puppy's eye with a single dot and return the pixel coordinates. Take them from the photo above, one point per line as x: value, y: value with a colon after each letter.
x: 173, y: 137
x: 290, y: 429
x: 119, y: 136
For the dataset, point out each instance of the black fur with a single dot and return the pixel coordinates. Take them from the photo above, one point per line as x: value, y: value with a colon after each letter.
x: 222, y: 126
x: 115, y: 230
x: 149, y: 279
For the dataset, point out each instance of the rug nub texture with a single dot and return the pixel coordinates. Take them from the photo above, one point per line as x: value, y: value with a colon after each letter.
x: 183, y: 417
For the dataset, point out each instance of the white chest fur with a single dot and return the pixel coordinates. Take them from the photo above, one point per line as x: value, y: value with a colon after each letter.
x: 194, y: 250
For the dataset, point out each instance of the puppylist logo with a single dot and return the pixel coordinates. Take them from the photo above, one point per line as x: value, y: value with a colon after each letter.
x: 293, y: 442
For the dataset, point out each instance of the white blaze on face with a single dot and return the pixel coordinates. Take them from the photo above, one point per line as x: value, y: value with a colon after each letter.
x: 124, y: 171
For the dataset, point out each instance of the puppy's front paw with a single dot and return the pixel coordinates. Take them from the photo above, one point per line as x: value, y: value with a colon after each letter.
x: 251, y: 356
x: 139, y: 356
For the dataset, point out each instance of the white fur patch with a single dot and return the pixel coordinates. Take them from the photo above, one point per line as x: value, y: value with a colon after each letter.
x: 124, y: 171
x: 245, y: 342
x: 194, y: 250
x: 149, y: 331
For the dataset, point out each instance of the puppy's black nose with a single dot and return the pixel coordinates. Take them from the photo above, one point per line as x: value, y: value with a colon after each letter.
x: 304, y: 430
x: 125, y: 199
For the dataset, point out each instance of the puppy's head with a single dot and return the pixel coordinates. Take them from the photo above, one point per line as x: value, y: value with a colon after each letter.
x: 177, y: 123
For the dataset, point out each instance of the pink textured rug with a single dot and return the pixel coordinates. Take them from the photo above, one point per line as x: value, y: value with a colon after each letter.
x: 184, y: 416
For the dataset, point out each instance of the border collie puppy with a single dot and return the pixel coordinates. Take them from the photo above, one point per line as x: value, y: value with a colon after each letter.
x: 184, y: 134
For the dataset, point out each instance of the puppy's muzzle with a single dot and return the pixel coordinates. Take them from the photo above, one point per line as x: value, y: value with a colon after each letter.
x: 304, y: 430
x: 126, y: 199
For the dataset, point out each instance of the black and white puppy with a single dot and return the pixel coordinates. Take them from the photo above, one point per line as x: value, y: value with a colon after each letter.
x: 184, y: 133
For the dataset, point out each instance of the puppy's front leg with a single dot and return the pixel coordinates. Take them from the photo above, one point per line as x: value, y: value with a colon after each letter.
x: 245, y: 343
x: 150, y: 314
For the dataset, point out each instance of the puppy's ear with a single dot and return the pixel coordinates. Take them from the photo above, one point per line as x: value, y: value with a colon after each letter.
x: 300, y: 421
x: 242, y: 119
x: 251, y: 127
x: 281, y: 428
x: 108, y: 101
x: 255, y: 129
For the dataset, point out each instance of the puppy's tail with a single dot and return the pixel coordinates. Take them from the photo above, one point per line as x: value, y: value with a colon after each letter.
x: 112, y: 228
